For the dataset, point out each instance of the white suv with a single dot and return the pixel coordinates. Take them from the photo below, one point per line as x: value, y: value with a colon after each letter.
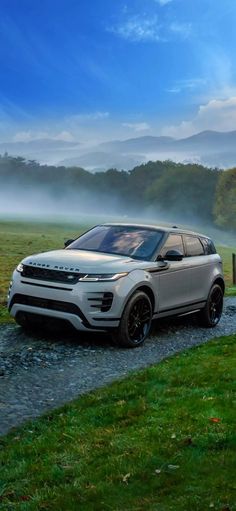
x: 118, y: 278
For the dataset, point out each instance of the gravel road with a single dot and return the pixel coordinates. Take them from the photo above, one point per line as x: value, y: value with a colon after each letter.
x: 41, y: 371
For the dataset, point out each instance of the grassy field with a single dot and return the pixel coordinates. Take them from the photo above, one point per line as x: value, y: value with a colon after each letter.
x: 19, y: 239
x: 161, y: 440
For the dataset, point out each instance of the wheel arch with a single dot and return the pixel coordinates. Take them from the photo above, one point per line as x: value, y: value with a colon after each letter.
x: 149, y: 293
x: 220, y: 282
x: 146, y: 289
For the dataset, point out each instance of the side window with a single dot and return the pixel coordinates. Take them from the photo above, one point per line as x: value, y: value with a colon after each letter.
x: 208, y: 246
x: 173, y: 242
x: 193, y: 246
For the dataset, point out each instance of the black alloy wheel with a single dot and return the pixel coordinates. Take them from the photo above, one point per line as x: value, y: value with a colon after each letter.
x: 136, y: 321
x: 211, y: 314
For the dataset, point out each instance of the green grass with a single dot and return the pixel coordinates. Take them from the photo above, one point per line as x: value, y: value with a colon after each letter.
x: 161, y: 440
x: 19, y: 239
x: 226, y: 254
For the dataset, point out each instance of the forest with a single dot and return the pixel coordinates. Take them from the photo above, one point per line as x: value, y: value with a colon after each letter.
x: 184, y: 190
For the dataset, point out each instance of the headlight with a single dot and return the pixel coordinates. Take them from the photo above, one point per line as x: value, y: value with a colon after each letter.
x: 20, y: 268
x: 9, y: 290
x: 102, y: 277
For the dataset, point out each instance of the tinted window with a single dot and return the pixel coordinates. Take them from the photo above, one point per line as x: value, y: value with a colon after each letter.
x: 208, y: 246
x: 174, y: 242
x: 137, y: 242
x: 193, y: 246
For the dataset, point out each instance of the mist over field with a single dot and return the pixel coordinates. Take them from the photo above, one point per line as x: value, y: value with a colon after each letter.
x: 41, y: 202
x: 80, y: 206
x: 166, y: 190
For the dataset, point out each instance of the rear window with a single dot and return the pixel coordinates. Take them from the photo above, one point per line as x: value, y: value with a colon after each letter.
x: 209, y: 246
x: 194, y: 246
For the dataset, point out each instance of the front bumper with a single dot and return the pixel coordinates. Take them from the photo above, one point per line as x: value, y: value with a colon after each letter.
x: 86, y: 305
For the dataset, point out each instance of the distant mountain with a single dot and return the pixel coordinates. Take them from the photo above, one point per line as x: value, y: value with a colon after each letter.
x: 43, y: 150
x: 213, y: 137
x: 211, y: 148
x: 209, y: 140
x: 202, y: 141
x: 139, y: 144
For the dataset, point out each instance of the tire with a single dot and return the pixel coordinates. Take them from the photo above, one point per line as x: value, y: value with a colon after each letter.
x: 135, y: 322
x: 211, y: 314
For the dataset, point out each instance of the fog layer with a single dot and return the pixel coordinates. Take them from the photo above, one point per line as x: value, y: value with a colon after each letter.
x: 156, y: 192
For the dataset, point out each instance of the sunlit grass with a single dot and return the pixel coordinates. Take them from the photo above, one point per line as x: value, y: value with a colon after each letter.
x: 226, y: 254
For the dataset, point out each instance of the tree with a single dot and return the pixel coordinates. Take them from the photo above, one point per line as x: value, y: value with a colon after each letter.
x: 142, y: 177
x: 186, y: 190
x: 225, y: 203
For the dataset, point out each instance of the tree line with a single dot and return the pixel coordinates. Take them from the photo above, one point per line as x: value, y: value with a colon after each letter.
x: 188, y: 191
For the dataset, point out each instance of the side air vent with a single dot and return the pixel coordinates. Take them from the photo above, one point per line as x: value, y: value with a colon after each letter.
x: 101, y: 301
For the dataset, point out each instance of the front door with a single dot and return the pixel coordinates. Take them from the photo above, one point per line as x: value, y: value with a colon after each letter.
x: 174, y: 283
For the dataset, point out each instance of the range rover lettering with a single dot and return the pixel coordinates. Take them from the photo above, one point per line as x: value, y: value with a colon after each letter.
x: 118, y: 278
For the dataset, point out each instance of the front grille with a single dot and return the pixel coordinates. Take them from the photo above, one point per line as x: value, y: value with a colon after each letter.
x: 34, y: 272
x: 101, y: 301
x: 45, y: 303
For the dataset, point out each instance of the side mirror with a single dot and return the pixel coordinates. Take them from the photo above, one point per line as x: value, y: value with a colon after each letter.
x: 68, y: 242
x: 173, y: 255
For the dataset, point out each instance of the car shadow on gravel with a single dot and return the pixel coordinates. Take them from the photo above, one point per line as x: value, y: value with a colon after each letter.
x: 61, y: 332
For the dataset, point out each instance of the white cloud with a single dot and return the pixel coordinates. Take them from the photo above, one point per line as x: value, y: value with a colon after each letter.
x: 29, y: 136
x: 191, y: 83
x: 136, y: 126
x: 182, y: 29
x: 217, y: 114
x: 163, y: 2
x: 138, y: 28
x: 174, y: 90
x: 22, y: 136
x: 148, y: 28
x: 64, y: 136
x: 92, y: 116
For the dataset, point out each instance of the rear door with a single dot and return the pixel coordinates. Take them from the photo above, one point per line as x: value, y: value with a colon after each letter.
x: 201, y: 267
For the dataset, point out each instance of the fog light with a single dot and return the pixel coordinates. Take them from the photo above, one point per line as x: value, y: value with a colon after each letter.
x: 20, y: 268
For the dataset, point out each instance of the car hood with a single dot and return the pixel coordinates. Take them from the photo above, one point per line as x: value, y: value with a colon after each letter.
x: 84, y: 261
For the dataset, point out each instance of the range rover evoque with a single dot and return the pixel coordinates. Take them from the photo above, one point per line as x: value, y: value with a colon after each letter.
x: 118, y: 278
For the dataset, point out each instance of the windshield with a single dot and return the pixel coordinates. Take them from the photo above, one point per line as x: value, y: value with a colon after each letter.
x: 137, y: 242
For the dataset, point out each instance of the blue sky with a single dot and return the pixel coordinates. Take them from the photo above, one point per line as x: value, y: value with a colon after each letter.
x: 102, y: 69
